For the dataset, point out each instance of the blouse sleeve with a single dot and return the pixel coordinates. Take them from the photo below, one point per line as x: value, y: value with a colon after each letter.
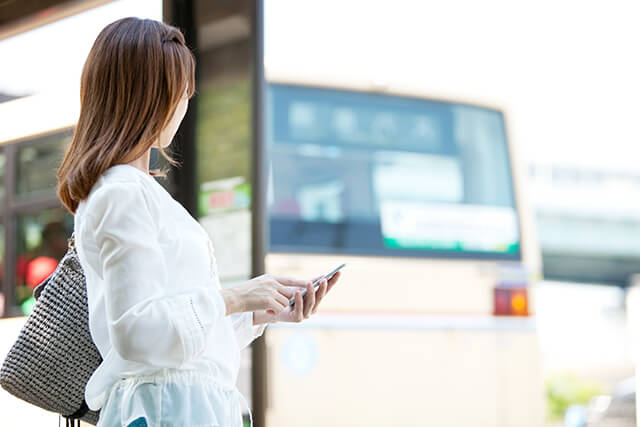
x: 244, y: 328
x: 144, y: 324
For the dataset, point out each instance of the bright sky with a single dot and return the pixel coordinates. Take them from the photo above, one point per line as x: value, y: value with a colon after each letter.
x: 566, y: 72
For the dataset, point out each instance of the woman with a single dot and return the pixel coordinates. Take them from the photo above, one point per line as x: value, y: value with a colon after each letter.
x: 169, y: 335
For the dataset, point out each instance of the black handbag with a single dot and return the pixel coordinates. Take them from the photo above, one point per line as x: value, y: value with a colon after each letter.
x: 54, y: 356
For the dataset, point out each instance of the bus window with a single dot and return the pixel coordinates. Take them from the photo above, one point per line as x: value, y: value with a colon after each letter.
x: 377, y: 174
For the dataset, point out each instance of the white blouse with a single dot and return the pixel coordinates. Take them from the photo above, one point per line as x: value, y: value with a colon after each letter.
x: 154, y: 296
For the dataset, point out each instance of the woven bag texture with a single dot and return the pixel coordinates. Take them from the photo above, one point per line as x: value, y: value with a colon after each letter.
x: 50, y: 363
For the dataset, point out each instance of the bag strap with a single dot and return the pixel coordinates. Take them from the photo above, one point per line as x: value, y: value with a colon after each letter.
x: 69, y: 422
x: 71, y: 241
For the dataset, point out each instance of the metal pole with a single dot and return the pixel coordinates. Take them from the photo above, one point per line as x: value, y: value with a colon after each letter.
x: 181, y: 15
x: 259, y: 229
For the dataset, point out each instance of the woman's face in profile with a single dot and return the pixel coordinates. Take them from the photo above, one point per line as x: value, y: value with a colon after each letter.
x: 167, y: 134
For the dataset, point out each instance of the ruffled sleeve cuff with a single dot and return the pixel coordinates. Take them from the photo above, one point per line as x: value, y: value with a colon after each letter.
x: 245, y: 330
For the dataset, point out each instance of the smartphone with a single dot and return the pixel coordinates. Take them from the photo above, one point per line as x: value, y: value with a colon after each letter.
x: 327, y: 276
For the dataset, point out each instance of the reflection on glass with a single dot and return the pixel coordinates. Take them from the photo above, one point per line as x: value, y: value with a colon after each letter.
x: 37, y: 164
x: 380, y: 174
x: 41, y: 242
x: 223, y: 143
x: 2, y: 172
x: 2, y: 278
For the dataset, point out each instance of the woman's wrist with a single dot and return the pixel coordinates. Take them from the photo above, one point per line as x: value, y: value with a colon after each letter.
x: 231, y: 301
x: 261, y: 317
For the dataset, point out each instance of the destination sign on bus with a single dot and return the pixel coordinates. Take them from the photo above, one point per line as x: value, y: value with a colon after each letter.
x: 363, y: 173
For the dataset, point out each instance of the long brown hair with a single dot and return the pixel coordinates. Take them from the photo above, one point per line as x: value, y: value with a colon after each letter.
x: 133, y: 80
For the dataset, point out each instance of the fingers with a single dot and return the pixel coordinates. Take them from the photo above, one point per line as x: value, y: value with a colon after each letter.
x: 276, y: 305
x: 333, y: 281
x: 284, y: 288
x: 279, y: 288
x: 325, y: 287
x: 279, y: 298
x: 287, y: 291
x: 310, y: 301
x: 322, y: 291
x: 283, y: 300
x: 298, y: 314
x: 335, y: 277
x: 289, y: 281
x: 315, y: 279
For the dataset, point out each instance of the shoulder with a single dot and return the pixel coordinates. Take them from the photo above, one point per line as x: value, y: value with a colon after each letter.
x: 120, y: 191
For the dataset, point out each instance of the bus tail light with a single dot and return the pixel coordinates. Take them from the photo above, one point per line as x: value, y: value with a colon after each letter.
x: 510, y: 302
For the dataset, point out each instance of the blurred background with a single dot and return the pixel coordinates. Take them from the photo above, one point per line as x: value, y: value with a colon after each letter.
x: 473, y: 163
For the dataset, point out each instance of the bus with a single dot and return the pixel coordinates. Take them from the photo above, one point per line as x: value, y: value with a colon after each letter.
x: 432, y: 322
x: 422, y: 196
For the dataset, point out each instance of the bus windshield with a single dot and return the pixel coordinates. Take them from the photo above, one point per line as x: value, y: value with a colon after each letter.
x: 378, y: 174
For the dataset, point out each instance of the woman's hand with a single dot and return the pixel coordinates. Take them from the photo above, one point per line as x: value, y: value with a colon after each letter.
x: 266, y: 292
x: 303, y: 307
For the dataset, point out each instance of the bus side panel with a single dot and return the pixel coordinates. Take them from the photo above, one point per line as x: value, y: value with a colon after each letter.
x: 397, y: 285
x: 522, y: 389
x: 383, y: 377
